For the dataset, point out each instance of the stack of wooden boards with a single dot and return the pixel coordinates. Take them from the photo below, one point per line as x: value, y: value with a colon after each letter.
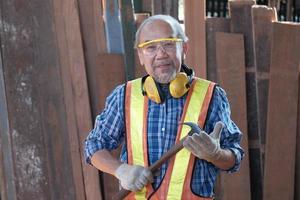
x: 257, y: 59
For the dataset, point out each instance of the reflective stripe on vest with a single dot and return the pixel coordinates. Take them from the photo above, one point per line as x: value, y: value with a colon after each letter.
x: 176, y: 183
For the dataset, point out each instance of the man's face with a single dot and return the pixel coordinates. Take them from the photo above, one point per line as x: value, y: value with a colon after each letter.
x: 164, y: 62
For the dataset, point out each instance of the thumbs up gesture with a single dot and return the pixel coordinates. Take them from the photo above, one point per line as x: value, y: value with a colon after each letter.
x: 205, y: 146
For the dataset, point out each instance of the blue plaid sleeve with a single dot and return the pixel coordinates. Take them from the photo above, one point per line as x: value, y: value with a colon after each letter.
x: 108, y: 132
x: 231, y: 135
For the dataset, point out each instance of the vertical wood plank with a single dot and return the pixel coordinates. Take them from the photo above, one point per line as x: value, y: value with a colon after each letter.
x: 214, y: 25
x: 262, y: 17
x: 93, y: 39
x: 297, y: 168
x: 282, y: 120
x: 195, y: 13
x: 231, y: 76
x: 241, y: 22
x: 128, y: 29
x: 110, y: 72
x: 73, y: 73
x: 7, y: 177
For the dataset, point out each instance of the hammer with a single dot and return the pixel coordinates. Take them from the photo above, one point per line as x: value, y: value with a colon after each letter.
x: 166, y: 156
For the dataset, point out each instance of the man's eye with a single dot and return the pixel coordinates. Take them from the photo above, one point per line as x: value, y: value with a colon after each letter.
x: 168, y: 44
x: 150, y: 48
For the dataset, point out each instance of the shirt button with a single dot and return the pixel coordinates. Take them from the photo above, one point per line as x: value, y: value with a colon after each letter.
x: 163, y: 129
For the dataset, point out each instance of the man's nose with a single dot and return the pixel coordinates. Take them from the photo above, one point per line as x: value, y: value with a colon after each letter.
x: 161, y: 51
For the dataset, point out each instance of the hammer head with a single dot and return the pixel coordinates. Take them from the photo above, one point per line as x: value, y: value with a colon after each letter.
x: 194, y: 127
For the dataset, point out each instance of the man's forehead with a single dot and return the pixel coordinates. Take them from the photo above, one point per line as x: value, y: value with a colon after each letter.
x: 156, y: 29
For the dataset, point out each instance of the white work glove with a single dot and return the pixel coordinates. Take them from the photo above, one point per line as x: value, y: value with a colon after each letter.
x: 205, y: 146
x: 133, y: 177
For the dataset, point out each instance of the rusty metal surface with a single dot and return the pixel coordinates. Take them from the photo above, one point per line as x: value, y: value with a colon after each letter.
x: 282, y: 112
x: 214, y: 25
x: 231, y: 76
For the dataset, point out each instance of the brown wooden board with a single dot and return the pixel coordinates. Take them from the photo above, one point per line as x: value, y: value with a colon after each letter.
x: 214, y: 25
x: 297, y: 169
x: 109, y: 73
x: 282, y: 112
x: 231, y: 76
x: 93, y: 39
x: 194, y: 21
x: 7, y: 178
x: 262, y: 17
x: 128, y: 29
x: 37, y: 119
x: 241, y: 22
x: 79, y: 122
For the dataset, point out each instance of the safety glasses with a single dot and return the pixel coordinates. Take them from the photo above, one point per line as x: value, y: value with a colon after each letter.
x: 150, y: 48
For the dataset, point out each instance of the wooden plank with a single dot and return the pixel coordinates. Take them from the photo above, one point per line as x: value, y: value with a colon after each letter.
x: 241, y: 22
x: 93, y: 39
x: 282, y: 120
x: 231, y: 76
x: 113, y: 28
x: 109, y: 72
x: 74, y: 79
x: 7, y: 178
x: 262, y: 17
x: 214, y: 25
x: 195, y: 30
x: 147, y: 6
x: 139, y: 69
x: 297, y: 168
x: 128, y: 29
x: 157, y: 7
x: 35, y: 103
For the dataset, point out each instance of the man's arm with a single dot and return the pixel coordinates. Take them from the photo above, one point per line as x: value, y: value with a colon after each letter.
x: 104, y: 161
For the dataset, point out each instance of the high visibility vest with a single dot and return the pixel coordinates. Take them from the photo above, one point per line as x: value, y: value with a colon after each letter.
x: 177, y: 181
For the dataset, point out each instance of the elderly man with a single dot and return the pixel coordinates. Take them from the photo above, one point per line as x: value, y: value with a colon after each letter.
x: 145, y: 115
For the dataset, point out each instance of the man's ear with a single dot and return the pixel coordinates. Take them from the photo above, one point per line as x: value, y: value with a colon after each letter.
x: 141, y: 58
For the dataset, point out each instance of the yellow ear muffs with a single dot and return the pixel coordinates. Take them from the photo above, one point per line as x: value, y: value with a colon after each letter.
x: 177, y: 88
x: 152, y: 90
x: 180, y: 85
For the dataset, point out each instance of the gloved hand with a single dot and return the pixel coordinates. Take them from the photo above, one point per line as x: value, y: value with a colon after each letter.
x: 205, y: 146
x: 133, y: 177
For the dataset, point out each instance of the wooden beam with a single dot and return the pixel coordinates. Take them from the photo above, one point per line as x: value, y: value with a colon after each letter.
x: 214, y: 25
x: 297, y: 168
x: 93, y: 39
x: 231, y: 76
x: 194, y: 20
x: 282, y: 120
x: 241, y: 22
x: 7, y: 172
x: 262, y: 18
x: 78, y: 109
x: 128, y: 28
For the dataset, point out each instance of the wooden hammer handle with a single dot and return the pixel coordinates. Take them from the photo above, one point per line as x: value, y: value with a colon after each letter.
x: 177, y: 147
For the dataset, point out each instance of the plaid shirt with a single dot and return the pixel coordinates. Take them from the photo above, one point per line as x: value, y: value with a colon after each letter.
x: 163, y: 119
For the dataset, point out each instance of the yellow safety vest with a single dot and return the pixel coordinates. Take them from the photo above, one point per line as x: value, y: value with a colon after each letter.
x: 176, y: 183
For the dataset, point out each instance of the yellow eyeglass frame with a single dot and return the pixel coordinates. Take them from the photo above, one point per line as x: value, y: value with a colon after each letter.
x: 159, y: 40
